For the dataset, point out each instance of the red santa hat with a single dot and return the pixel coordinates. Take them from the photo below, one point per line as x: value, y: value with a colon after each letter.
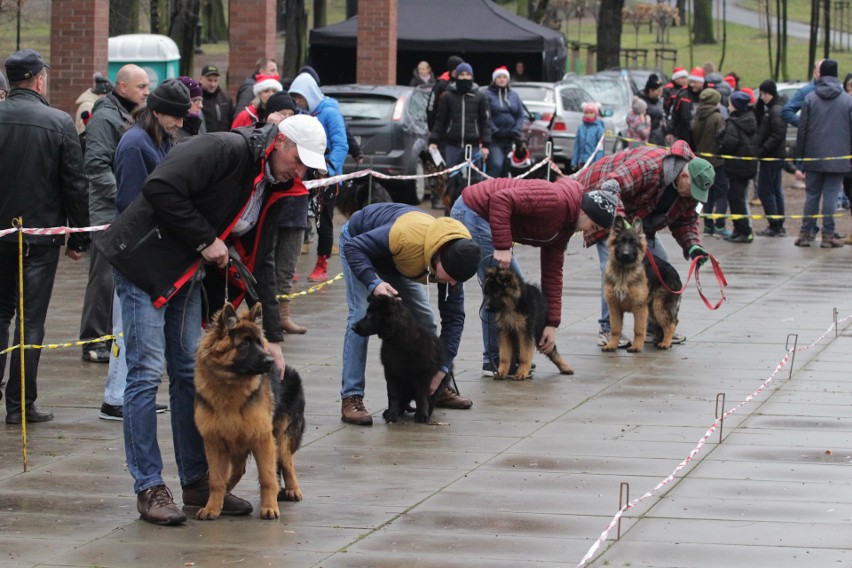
x: 679, y: 72
x: 500, y: 71
x: 697, y: 74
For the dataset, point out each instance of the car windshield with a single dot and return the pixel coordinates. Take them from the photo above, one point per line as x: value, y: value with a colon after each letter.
x: 573, y: 99
x: 532, y: 93
x: 605, y: 91
x: 365, y: 107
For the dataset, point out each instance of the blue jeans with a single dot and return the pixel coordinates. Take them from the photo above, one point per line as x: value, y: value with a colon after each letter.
x: 117, y: 375
x: 656, y: 247
x: 770, y: 192
x: 480, y: 230
x: 827, y: 186
x: 155, y: 338
x: 413, y: 295
x: 496, y: 165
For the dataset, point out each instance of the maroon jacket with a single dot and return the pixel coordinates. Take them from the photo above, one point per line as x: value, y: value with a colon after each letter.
x: 532, y: 212
x: 639, y: 174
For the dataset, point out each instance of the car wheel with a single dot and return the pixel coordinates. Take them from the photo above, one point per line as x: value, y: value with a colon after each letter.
x: 414, y: 191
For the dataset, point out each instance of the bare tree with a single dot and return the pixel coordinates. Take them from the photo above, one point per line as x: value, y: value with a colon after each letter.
x: 320, y: 13
x: 182, y: 29
x: 123, y: 17
x: 702, y: 23
x: 609, y: 33
x: 295, y: 29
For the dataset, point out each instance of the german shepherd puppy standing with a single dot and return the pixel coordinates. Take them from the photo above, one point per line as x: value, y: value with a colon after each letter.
x: 410, y: 354
x: 241, y: 408
x: 519, y: 309
x: 630, y: 285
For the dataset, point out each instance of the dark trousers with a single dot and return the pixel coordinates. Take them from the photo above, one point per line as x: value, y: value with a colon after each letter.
x: 737, y: 194
x: 770, y: 192
x: 325, y: 223
x: 40, y: 264
x: 96, y: 320
x: 717, y: 199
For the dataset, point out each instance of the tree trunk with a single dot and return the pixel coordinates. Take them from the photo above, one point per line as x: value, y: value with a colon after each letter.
x: 351, y: 8
x: 320, y: 13
x: 681, y: 11
x: 296, y: 26
x: 827, y: 23
x: 182, y: 29
x: 702, y: 23
x: 215, y: 25
x: 812, y: 42
x: 609, y: 33
x: 123, y: 17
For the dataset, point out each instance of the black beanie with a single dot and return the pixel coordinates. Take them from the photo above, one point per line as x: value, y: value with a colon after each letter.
x: 460, y: 259
x: 600, y: 205
x: 280, y: 101
x: 171, y: 97
x: 769, y: 87
x: 653, y: 82
x: 453, y: 61
x: 102, y: 85
x: 828, y: 68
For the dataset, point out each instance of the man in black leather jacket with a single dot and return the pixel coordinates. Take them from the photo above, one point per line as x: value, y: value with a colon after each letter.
x: 43, y: 183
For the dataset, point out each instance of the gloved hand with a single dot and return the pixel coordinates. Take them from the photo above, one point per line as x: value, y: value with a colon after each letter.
x: 698, y: 251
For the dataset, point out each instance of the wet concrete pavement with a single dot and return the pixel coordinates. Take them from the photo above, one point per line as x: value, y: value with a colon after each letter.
x: 530, y: 475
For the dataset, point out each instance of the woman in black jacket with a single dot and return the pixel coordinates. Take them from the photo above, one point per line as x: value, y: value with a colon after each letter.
x: 772, y: 144
x: 739, y: 139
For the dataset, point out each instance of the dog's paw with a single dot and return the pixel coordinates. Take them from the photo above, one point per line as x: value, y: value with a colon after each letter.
x: 207, y: 514
x: 421, y: 418
x: 608, y: 348
x: 566, y: 371
x: 664, y: 345
x: 269, y: 513
x: 635, y: 348
x: 390, y: 415
x: 289, y: 495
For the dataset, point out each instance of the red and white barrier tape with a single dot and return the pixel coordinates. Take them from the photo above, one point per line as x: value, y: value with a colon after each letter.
x: 54, y: 230
x: 783, y: 363
x: 361, y: 173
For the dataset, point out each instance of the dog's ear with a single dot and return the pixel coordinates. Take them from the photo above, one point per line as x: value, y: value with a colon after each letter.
x: 228, y: 317
x: 637, y: 224
x: 256, y: 314
x: 490, y: 272
x: 619, y: 225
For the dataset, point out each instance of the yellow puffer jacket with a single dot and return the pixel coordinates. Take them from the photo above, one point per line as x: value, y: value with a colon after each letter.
x: 416, y: 237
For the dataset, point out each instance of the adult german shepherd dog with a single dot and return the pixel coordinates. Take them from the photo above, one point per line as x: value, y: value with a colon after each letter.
x: 410, y: 354
x: 630, y: 285
x: 519, y: 311
x: 242, y: 408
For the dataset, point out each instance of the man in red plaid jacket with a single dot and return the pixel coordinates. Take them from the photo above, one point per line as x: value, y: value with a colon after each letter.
x: 662, y: 186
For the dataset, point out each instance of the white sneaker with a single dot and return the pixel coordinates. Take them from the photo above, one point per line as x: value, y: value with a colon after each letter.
x: 604, y: 336
x: 677, y: 339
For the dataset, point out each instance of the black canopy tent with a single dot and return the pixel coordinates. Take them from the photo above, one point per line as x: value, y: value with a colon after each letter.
x: 481, y: 32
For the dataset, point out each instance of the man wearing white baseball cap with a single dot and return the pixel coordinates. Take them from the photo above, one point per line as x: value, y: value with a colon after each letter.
x: 208, y: 210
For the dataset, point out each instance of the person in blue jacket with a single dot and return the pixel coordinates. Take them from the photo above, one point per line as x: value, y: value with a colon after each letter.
x: 310, y: 100
x: 588, y: 135
x: 790, y: 111
x: 396, y: 250
x: 507, y: 120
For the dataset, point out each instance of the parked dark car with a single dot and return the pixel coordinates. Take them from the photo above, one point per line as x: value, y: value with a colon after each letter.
x: 389, y: 122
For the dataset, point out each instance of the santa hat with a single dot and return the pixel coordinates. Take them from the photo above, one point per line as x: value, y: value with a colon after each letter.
x: 732, y: 81
x: 500, y: 71
x: 697, y: 74
x: 267, y: 82
x: 679, y: 72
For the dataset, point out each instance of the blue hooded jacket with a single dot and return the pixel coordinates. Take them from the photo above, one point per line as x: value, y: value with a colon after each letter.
x: 507, y: 113
x: 587, y: 138
x: 327, y: 111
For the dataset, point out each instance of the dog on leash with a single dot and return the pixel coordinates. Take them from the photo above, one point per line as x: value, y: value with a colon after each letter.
x: 630, y: 285
x: 242, y: 408
x: 519, y: 311
x: 356, y: 194
x: 411, y: 356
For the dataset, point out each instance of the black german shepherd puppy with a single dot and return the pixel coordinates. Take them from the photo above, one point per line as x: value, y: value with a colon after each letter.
x: 520, y: 309
x: 410, y: 354
x: 630, y: 285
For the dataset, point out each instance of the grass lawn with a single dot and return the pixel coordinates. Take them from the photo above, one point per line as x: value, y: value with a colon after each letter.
x: 797, y: 10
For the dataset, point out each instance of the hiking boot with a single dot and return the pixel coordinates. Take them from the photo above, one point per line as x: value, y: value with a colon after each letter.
x: 353, y: 411
x: 768, y: 232
x: 452, y: 399
x: 156, y: 505
x: 196, y: 494
x: 740, y: 238
x: 33, y: 415
x: 116, y: 412
x: 320, y: 272
x: 723, y: 233
x: 604, y: 337
x: 831, y: 242
x: 95, y: 353
x: 804, y: 240
x: 782, y: 232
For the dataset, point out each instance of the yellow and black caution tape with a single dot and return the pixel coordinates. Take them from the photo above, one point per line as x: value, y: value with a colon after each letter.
x: 727, y: 157
x: 736, y: 216
x: 101, y: 339
x: 310, y: 290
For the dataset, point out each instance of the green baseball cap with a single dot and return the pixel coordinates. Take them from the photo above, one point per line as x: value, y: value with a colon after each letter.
x: 701, y: 176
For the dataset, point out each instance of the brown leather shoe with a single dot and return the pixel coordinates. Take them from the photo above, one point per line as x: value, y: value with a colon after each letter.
x: 831, y: 242
x: 156, y: 505
x: 353, y: 411
x: 196, y: 494
x: 451, y: 399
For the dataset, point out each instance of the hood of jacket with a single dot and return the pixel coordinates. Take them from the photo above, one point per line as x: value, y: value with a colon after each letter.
x: 306, y: 86
x: 706, y: 109
x: 745, y: 120
x: 828, y: 88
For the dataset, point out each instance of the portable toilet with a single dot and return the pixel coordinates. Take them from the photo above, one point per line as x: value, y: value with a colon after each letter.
x: 158, y: 55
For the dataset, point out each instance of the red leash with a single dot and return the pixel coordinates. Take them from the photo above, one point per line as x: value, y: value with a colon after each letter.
x: 693, y: 268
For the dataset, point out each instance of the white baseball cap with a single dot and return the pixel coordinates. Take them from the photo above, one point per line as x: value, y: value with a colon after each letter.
x: 309, y: 136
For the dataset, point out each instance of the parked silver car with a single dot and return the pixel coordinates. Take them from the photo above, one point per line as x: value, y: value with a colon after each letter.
x: 615, y: 95
x: 560, y: 106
